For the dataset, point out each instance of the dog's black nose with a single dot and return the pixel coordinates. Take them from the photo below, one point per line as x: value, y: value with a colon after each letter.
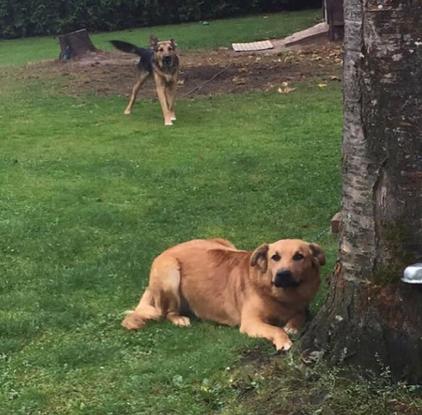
x: 167, y: 60
x: 285, y: 279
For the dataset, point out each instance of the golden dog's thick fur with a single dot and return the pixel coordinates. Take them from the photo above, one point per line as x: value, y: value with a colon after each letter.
x: 265, y: 292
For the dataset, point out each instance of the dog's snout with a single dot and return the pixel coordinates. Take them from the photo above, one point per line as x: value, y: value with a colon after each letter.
x: 284, y: 278
x: 284, y: 274
x: 167, y: 60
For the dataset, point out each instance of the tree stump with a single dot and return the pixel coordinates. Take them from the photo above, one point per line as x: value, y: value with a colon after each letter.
x: 75, y: 44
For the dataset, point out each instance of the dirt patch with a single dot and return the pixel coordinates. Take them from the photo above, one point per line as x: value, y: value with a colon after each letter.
x: 215, y: 72
x: 255, y: 356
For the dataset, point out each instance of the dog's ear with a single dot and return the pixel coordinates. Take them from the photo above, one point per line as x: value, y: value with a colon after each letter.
x: 317, y: 253
x: 259, y: 258
x: 153, y: 42
x: 173, y: 43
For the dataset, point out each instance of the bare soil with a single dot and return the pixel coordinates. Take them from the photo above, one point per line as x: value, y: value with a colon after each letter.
x: 202, y: 73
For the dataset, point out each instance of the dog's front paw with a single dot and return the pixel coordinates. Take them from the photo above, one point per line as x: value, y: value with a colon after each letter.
x: 168, y: 123
x: 181, y: 321
x: 291, y: 330
x: 282, y: 345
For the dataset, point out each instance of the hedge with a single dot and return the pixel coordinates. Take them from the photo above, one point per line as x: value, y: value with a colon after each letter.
x: 50, y: 17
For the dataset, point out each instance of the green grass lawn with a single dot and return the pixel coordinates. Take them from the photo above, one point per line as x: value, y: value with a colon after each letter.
x: 188, y: 36
x: 89, y: 197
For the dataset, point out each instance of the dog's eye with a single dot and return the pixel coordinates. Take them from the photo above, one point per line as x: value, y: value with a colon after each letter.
x: 276, y: 257
x: 161, y: 50
x: 297, y: 256
x: 170, y: 49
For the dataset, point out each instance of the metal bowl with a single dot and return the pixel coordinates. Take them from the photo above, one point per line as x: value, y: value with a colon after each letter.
x: 413, y: 274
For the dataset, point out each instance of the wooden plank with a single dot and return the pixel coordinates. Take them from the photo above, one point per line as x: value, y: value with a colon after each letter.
x: 320, y: 29
x: 252, y: 46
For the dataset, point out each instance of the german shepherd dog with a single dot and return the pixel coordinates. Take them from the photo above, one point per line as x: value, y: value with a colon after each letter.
x: 162, y: 62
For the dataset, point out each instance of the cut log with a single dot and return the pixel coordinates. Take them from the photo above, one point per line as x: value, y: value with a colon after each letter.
x: 75, y: 45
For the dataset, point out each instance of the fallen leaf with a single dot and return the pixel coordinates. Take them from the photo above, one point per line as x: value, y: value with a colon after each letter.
x: 310, y: 357
x: 239, y: 81
x: 285, y: 90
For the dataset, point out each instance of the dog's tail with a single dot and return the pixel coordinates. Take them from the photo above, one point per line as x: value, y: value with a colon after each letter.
x: 127, y: 47
x: 136, y: 319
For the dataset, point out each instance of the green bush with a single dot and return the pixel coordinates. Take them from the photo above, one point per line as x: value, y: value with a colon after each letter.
x: 49, y: 17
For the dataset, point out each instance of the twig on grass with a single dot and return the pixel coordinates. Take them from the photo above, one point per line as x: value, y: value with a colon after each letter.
x: 198, y: 87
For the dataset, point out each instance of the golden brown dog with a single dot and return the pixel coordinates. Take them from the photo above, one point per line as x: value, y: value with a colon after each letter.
x: 162, y: 62
x: 266, y: 292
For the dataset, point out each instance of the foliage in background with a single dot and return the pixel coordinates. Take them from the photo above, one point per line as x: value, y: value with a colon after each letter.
x: 220, y: 32
x: 41, y: 17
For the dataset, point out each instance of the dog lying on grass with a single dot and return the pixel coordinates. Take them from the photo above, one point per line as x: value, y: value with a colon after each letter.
x: 266, y: 292
x: 162, y: 62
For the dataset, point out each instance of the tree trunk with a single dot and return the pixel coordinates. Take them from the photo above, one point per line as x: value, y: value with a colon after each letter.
x: 371, y: 318
x: 75, y: 44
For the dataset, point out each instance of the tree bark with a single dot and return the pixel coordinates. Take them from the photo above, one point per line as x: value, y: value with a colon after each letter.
x: 371, y: 318
x: 75, y: 44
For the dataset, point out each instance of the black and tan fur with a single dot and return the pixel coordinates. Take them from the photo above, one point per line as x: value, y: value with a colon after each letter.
x: 160, y: 61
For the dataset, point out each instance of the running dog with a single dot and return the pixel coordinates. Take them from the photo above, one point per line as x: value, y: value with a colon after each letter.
x: 160, y: 61
x: 266, y: 292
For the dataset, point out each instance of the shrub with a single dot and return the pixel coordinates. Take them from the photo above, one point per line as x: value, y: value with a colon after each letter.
x: 50, y: 17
